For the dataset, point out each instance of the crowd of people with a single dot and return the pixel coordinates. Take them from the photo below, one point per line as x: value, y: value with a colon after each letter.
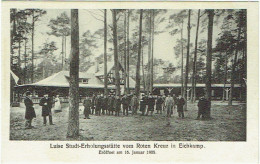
x: 113, y: 105
x: 147, y: 104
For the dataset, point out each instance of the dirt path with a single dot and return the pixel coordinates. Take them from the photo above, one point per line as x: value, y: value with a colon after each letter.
x: 228, y: 124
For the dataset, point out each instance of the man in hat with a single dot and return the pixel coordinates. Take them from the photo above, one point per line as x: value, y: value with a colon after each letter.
x: 134, y: 104
x: 143, y: 104
x: 46, y: 103
x: 203, y: 105
x: 110, y: 104
x: 169, y: 102
x: 125, y: 103
x: 93, y: 103
x: 180, y: 103
x: 159, y: 103
x: 151, y: 103
x: 87, y: 106
x: 98, y: 105
x: 117, y: 105
x: 29, y: 110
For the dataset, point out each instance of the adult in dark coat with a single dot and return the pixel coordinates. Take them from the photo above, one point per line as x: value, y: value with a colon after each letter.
x: 46, y: 103
x: 125, y: 103
x: 98, y: 105
x: 143, y: 104
x: 151, y: 103
x: 110, y: 103
x: 87, y: 105
x: 117, y: 105
x: 203, y: 105
x: 180, y: 103
x: 134, y: 104
x: 29, y: 110
x: 159, y: 103
x: 93, y: 103
x: 104, y: 105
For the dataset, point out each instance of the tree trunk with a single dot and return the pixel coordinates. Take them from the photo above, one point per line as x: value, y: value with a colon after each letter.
x: 13, y: 34
x: 234, y: 67
x: 137, y: 85
x: 73, y: 125
x: 143, y: 67
x: 149, y: 53
x: 195, y: 61
x: 25, y: 60
x: 125, y: 49
x: 62, y: 53
x: 128, y: 50
x: 151, y: 82
x: 105, y: 52
x: 209, y: 60
x: 225, y: 76
x: 19, y: 54
x: 117, y: 77
x: 182, y: 58
x: 187, y: 62
x: 65, y: 54
x: 32, y: 75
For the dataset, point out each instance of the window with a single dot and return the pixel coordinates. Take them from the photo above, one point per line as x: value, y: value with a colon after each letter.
x: 85, y: 81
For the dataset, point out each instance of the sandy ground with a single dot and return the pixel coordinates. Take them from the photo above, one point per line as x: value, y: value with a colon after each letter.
x: 228, y: 124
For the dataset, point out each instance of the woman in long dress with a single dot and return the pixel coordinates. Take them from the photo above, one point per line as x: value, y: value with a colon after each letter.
x: 57, y: 105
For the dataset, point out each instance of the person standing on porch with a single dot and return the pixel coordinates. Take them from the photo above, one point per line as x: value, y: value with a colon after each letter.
x: 46, y: 104
x: 29, y: 110
x: 87, y: 106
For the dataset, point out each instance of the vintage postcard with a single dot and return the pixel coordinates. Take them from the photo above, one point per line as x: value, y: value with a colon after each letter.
x: 130, y: 81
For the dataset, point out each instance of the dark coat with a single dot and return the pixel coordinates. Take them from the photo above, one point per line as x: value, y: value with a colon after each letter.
x: 104, y: 102
x: 117, y: 104
x: 151, y: 103
x: 143, y: 103
x: 98, y: 103
x: 125, y: 102
x: 110, y: 103
x: 180, y: 103
x: 203, y: 105
x: 159, y: 101
x: 29, y: 110
x: 46, y: 109
x: 87, y: 105
x: 93, y: 101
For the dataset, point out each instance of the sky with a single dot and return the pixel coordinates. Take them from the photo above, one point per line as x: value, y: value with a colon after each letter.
x: 163, y: 42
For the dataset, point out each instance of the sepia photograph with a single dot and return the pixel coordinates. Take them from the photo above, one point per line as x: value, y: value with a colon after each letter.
x: 128, y: 74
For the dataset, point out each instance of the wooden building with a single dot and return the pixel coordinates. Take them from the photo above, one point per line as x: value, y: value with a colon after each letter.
x: 218, y: 90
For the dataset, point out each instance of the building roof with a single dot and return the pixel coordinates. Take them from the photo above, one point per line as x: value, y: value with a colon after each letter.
x: 176, y: 85
x: 60, y: 79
